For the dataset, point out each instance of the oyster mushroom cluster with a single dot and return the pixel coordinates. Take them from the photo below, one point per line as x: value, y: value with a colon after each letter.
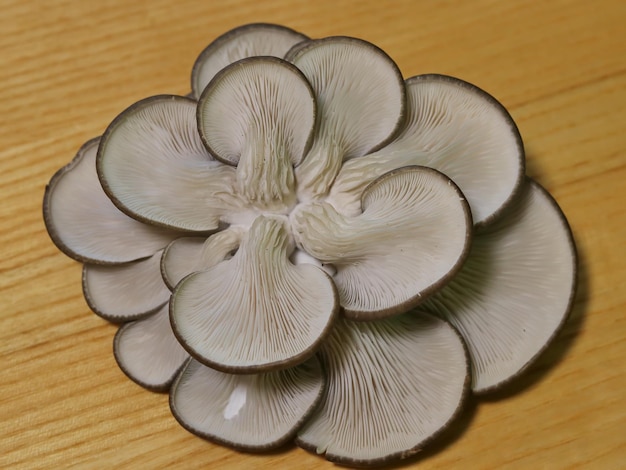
x: 309, y: 247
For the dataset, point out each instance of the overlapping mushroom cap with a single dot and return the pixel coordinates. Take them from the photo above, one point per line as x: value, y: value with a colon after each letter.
x: 281, y: 225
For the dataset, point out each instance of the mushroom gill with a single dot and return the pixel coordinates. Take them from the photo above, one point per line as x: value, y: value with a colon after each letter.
x: 256, y: 412
x: 73, y: 196
x: 256, y: 39
x: 393, y: 385
x: 412, y: 235
x: 153, y: 135
x: 456, y: 128
x: 256, y: 311
x: 127, y: 291
x: 361, y: 100
x: 515, y: 290
x: 147, y: 351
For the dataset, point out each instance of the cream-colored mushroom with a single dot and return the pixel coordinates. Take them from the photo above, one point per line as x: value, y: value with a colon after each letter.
x: 259, y: 114
x: 74, y: 196
x: 393, y: 385
x: 412, y: 236
x: 456, y: 128
x: 188, y: 255
x: 515, y: 290
x: 147, y: 351
x: 127, y: 291
x: 256, y: 39
x: 256, y: 311
x: 152, y: 164
x: 256, y: 412
x: 361, y: 99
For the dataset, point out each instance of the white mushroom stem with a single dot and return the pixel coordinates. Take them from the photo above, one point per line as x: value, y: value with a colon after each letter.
x: 255, y: 412
x: 256, y: 311
x: 456, y: 128
x: 125, y: 292
x: 188, y: 255
x: 86, y: 225
x: 264, y: 173
x: 257, y: 39
x: 259, y: 114
x: 153, y: 165
x: 360, y: 95
x: 515, y: 290
x: 147, y: 351
x: 411, y: 237
x: 392, y: 386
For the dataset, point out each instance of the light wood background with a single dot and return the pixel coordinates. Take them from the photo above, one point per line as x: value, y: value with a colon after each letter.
x: 68, y: 67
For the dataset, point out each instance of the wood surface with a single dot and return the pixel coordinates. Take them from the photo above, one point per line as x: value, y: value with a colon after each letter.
x: 67, y: 68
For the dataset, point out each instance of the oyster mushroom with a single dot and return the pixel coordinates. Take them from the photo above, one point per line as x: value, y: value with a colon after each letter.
x: 515, y: 290
x: 256, y: 412
x: 187, y: 255
x: 411, y: 236
x: 295, y: 186
x: 147, y: 350
x: 74, y: 196
x: 125, y: 292
x: 259, y: 115
x: 256, y: 311
x: 148, y: 353
x: 155, y: 133
x: 456, y: 128
x: 361, y: 105
x: 256, y: 39
x: 393, y: 385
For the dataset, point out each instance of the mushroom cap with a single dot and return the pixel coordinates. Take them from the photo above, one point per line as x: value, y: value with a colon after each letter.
x: 456, y: 128
x: 363, y: 101
x: 255, y: 39
x: 256, y: 311
x: 125, y: 292
x: 153, y: 166
x: 360, y: 105
x: 515, y: 290
x: 257, y: 105
x: 255, y: 412
x: 148, y: 353
x: 259, y: 114
x: 412, y: 236
x: 74, y: 196
x: 392, y: 386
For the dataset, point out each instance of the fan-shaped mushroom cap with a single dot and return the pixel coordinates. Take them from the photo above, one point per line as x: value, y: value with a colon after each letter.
x: 360, y: 96
x: 456, y: 128
x: 411, y: 237
x: 84, y: 223
x: 392, y: 385
x: 154, y: 167
x: 125, y: 292
x: 259, y: 114
x: 255, y: 412
x: 515, y: 290
x: 256, y: 39
x: 147, y: 351
x: 256, y: 311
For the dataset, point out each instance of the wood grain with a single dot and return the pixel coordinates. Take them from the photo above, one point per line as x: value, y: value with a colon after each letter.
x: 69, y: 67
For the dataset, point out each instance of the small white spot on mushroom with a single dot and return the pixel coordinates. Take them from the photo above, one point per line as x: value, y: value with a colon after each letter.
x: 236, y: 401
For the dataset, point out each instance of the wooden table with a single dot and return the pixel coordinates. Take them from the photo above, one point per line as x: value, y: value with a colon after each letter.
x: 69, y: 67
